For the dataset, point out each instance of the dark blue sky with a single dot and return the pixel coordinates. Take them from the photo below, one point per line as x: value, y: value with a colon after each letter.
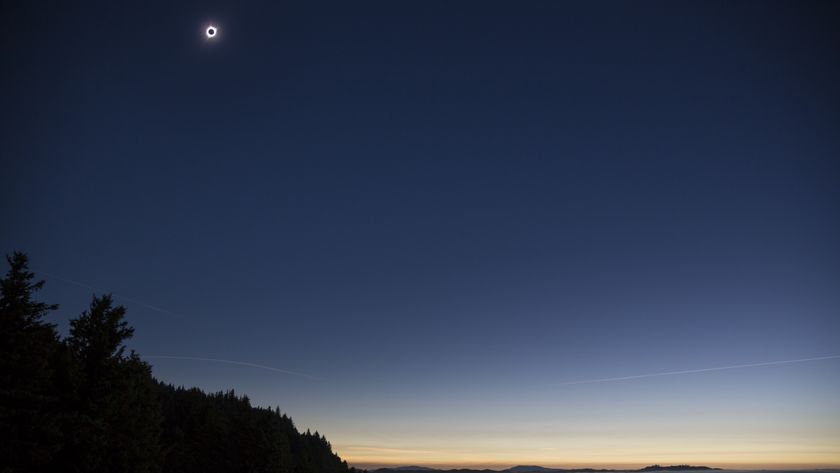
x: 430, y: 205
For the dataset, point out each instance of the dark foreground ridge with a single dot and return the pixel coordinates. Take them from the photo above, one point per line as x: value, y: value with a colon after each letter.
x: 540, y: 469
x: 83, y: 404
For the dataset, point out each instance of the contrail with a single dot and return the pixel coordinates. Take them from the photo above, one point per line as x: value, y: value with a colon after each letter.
x: 117, y: 296
x: 701, y: 370
x: 164, y: 311
x: 232, y: 362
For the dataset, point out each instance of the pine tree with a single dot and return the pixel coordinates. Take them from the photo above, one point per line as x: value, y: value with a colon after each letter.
x: 29, y: 434
x: 117, y: 413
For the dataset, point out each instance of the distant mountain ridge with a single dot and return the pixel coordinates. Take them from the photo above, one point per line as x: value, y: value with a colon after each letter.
x: 675, y: 468
x: 541, y: 469
x: 524, y: 468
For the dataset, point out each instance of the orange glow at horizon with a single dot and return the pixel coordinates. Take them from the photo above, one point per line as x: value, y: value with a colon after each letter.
x: 730, y: 462
x: 621, y: 455
x: 759, y: 419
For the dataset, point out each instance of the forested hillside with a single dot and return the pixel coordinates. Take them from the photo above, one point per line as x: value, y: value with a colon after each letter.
x: 83, y: 404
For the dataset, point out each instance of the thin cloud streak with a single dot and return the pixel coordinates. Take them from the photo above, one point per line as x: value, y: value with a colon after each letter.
x: 700, y: 370
x: 361, y: 448
x: 116, y: 296
x: 232, y: 362
x: 164, y: 311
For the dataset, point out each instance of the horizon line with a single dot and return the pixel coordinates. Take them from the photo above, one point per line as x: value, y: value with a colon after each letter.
x: 640, y: 466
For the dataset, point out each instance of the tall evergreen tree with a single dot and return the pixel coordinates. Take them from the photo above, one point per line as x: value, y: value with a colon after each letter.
x: 117, y: 413
x: 29, y: 435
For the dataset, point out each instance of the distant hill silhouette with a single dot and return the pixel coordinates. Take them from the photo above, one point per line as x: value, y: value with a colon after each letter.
x: 541, y: 469
x: 675, y: 468
x: 527, y: 468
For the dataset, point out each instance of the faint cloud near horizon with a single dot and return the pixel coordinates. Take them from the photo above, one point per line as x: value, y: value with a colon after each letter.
x: 362, y: 448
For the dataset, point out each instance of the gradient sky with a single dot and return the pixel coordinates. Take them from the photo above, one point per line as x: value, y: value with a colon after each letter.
x: 444, y: 212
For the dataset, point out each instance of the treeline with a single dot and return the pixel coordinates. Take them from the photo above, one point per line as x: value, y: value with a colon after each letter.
x: 83, y: 404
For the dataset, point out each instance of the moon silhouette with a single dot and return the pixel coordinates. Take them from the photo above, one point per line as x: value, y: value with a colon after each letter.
x: 211, y: 31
